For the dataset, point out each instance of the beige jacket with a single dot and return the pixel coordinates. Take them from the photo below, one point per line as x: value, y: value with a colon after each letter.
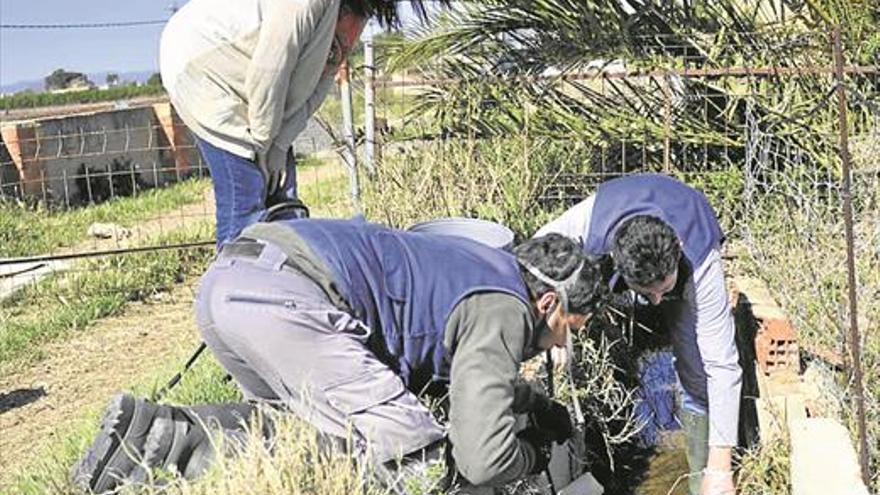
x: 247, y: 74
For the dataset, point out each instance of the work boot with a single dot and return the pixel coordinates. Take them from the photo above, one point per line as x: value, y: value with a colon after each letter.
x: 180, y: 440
x: 119, y: 446
x: 286, y: 210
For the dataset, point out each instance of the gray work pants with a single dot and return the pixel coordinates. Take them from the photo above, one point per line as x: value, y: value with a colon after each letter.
x: 276, y: 332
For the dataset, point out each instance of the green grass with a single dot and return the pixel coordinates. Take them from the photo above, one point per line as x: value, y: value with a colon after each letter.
x: 112, y: 289
x: 34, y: 100
x: 93, y: 289
x: 392, y: 104
x: 36, y: 230
x: 97, y: 288
x: 48, y: 473
x: 329, y: 197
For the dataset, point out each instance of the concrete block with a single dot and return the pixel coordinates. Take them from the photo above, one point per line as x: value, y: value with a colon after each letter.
x: 560, y: 465
x: 771, y: 417
x: 823, y: 460
x: 781, y: 402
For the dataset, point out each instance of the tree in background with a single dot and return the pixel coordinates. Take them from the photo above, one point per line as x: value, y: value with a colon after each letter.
x: 112, y: 79
x: 63, y: 79
x: 493, y: 47
x: 155, y: 80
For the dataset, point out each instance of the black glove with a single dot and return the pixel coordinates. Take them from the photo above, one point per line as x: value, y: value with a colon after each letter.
x: 540, y: 444
x: 553, y: 418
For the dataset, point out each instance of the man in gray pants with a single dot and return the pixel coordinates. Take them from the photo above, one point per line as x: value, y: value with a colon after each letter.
x: 343, y: 322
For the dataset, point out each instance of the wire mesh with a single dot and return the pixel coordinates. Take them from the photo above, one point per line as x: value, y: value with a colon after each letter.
x: 753, y: 125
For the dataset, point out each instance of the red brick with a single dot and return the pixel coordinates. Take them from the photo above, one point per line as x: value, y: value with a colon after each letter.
x: 776, y: 346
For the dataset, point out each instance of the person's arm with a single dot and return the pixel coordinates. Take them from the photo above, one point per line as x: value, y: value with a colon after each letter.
x: 292, y: 126
x: 716, y: 341
x: 287, y: 26
x: 573, y: 223
x: 487, y: 334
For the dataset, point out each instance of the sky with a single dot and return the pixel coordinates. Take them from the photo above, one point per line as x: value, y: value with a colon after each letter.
x: 32, y: 54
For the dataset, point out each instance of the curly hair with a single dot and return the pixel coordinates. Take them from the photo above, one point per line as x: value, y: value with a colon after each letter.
x: 387, y: 11
x: 646, y: 250
x: 556, y: 257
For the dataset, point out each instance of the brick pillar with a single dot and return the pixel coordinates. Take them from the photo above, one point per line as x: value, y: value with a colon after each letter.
x: 21, y: 142
x: 176, y: 134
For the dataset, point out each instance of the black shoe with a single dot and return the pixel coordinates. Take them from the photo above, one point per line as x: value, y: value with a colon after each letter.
x: 286, y: 210
x: 118, y: 449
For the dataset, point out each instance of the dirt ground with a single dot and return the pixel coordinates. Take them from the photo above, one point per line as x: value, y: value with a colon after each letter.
x: 40, y: 403
x: 43, y: 401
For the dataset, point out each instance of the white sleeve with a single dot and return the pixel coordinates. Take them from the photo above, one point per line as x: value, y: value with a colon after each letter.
x: 294, y: 125
x: 716, y: 341
x: 286, y: 28
x: 573, y: 223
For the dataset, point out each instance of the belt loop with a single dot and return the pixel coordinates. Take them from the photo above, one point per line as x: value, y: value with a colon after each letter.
x: 272, y: 256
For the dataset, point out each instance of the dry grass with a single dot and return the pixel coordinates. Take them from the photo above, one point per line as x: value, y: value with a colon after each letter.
x: 765, y: 469
x: 796, y: 244
x: 500, y: 179
x: 293, y: 463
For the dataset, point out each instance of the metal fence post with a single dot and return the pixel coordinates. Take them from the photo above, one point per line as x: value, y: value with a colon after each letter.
x: 349, y: 155
x: 369, y: 104
x: 846, y: 193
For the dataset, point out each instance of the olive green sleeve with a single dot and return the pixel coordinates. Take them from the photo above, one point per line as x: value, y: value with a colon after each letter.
x: 487, y: 336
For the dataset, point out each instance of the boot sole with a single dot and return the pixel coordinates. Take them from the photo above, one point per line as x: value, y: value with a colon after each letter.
x: 114, y: 453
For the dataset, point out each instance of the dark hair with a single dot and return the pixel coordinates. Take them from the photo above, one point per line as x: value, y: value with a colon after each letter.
x: 557, y: 257
x: 646, y: 250
x: 386, y: 11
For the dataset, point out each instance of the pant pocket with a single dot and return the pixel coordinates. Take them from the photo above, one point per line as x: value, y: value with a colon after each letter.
x: 261, y: 299
x: 361, y: 392
x: 388, y: 420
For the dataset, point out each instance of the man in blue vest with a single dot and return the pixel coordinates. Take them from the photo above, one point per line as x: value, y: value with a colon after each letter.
x: 343, y: 322
x: 664, y: 239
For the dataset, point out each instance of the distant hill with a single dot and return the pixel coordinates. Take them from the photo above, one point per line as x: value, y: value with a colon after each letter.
x: 99, y: 78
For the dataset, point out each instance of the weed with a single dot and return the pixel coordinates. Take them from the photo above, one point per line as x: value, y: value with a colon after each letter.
x: 31, y: 230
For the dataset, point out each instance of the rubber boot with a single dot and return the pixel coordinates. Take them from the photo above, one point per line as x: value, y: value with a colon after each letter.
x: 119, y: 446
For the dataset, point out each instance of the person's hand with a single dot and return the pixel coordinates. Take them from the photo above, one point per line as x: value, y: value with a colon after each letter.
x: 717, y: 482
x: 273, y: 164
x: 553, y: 418
x: 560, y: 358
x: 540, y: 444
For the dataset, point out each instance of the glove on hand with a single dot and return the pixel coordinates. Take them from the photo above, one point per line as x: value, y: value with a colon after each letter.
x: 540, y: 444
x: 273, y: 164
x: 553, y: 418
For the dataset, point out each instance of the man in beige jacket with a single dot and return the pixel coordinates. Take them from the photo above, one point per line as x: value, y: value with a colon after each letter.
x: 245, y: 77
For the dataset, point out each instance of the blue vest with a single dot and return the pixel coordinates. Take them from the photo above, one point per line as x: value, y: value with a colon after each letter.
x: 684, y: 208
x: 688, y: 212
x: 405, y: 285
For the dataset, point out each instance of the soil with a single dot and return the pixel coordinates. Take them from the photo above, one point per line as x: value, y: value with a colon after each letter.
x: 40, y: 403
x: 667, y: 469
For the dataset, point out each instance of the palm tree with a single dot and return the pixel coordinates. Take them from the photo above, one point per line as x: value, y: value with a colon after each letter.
x: 492, y: 49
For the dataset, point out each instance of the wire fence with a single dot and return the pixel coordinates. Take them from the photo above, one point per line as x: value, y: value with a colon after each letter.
x: 759, y: 132
x: 107, y: 193
x: 758, y: 135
